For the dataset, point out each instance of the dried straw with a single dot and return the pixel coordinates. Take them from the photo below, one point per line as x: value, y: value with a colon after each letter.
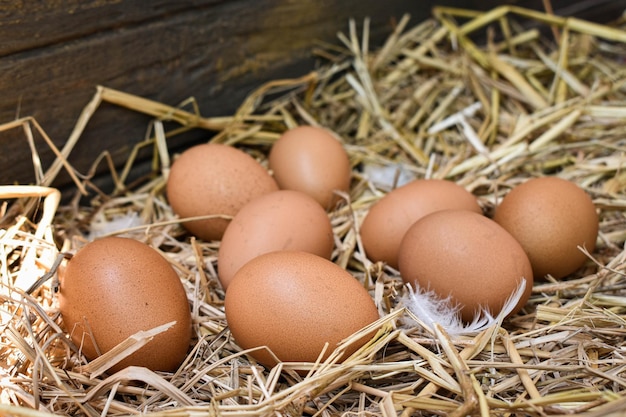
x: 431, y: 102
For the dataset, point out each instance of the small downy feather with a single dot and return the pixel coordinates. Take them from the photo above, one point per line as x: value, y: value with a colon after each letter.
x: 426, y: 308
x: 101, y: 226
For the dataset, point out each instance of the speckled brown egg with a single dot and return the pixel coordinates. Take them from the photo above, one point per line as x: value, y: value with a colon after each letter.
x: 214, y: 179
x: 280, y: 220
x: 115, y: 287
x: 389, y: 218
x: 311, y: 160
x: 465, y: 256
x: 294, y: 302
x: 550, y: 217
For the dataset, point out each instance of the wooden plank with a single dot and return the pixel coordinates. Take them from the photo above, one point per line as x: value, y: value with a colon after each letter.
x: 37, y: 24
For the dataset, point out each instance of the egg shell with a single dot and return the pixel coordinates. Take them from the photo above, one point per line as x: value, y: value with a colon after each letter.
x: 311, y: 160
x: 468, y: 257
x: 389, y: 218
x: 114, y: 287
x: 280, y: 220
x: 294, y: 302
x: 214, y: 179
x: 550, y: 217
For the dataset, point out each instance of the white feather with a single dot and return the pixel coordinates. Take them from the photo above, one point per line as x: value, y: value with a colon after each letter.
x: 426, y: 308
x: 387, y: 176
x: 102, y: 226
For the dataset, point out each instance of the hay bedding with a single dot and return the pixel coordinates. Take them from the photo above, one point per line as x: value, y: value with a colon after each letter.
x: 429, y: 103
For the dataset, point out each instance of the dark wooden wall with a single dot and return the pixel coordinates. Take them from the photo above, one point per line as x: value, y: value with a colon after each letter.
x: 53, y: 54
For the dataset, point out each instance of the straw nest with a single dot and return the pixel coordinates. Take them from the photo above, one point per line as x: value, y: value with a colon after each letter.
x: 540, y: 94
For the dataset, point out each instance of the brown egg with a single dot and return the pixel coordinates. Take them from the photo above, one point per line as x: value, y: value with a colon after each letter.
x: 294, y: 302
x: 214, y: 179
x: 311, y: 160
x: 550, y: 217
x: 280, y: 220
x: 388, y: 219
x: 468, y: 257
x: 115, y: 287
